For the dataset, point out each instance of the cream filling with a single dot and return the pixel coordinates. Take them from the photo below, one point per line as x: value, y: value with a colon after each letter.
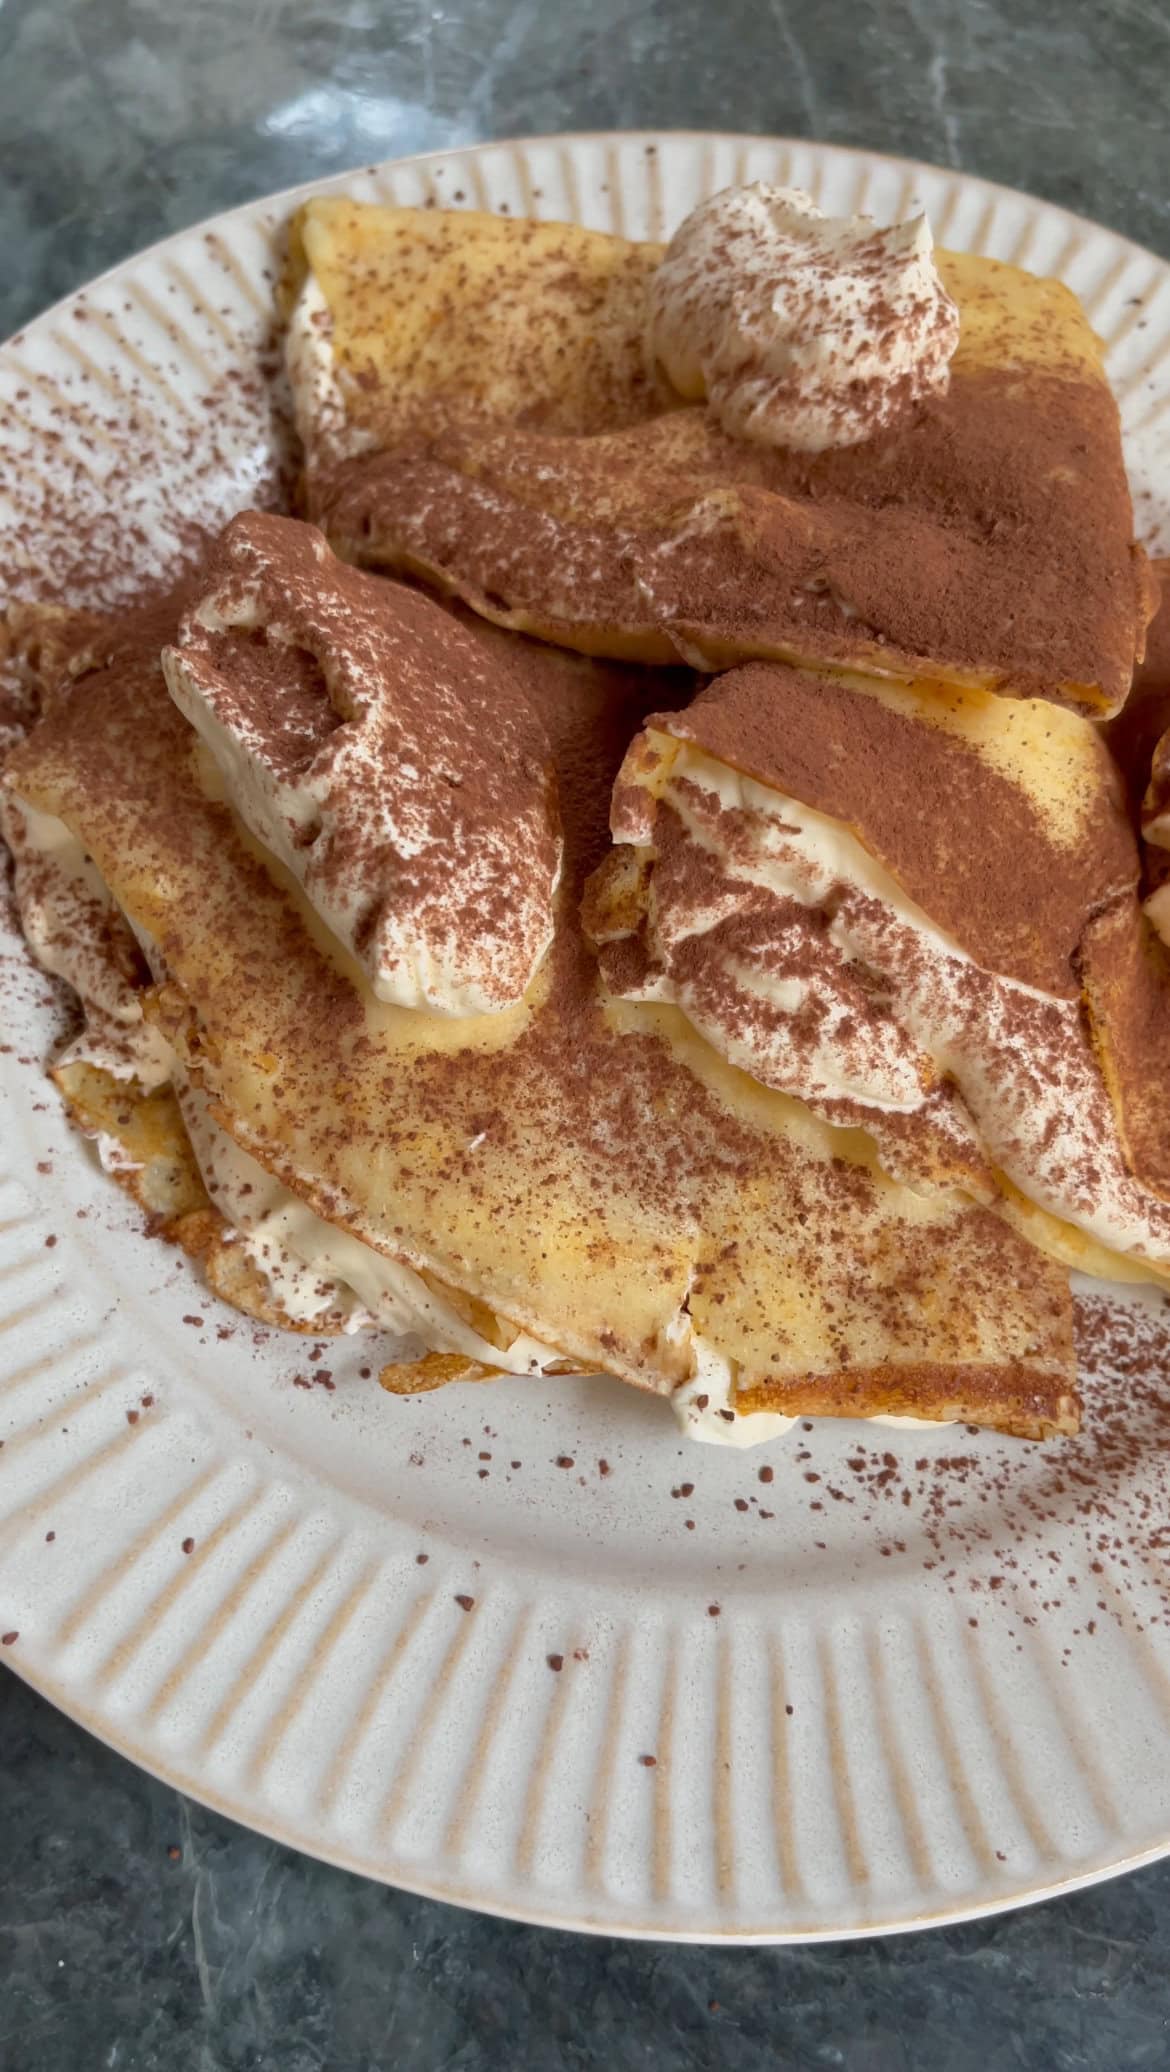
x: 283, y: 813
x: 704, y: 1409
x: 347, y: 798
x: 705, y: 1412
x: 324, y: 425
x: 70, y: 923
x: 314, y: 1269
x: 1046, y: 1121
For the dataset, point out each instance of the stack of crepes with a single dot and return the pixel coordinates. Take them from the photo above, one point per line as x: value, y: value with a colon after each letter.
x: 702, y: 939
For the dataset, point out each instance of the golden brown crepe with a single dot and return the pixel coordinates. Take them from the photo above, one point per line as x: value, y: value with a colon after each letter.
x: 917, y: 911
x: 586, y: 1169
x: 478, y: 408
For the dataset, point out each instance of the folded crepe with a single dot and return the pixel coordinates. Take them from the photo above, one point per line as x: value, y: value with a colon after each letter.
x: 1139, y: 740
x: 478, y: 407
x: 575, y: 1180
x: 918, y: 913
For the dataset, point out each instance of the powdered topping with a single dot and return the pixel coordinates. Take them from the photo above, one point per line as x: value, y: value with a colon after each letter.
x: 1151, y: 699
x: 984, y: 536
x: 1139, y: 740
x: 402, y: 318
x: 589, y: 1170
x: 799, y: 956
x: 1133, y: 735
x: 1024, y: 834
x: 368, y: 742
x: 800, y: 329
x: 1126, y: 974
x: 985, y: 540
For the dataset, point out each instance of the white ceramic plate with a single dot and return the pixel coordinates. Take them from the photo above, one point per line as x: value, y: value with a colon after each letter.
x: 910, y: 1677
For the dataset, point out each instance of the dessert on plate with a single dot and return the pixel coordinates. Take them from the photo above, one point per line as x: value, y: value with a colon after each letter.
x: 463, y: 958
x: 561, y: 1181
x: 783, y: 437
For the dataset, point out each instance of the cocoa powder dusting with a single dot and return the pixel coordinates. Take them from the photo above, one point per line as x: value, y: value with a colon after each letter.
x: 961, y: 837
x: 1082, y: 1521
x: 1145, y: 717
x: 989, y: 532
x: 122, y: 493
x: 874, y: 539
x: 563, y: 1115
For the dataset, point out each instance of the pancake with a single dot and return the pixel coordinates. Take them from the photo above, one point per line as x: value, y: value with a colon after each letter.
x: 477, y: 409
x: 145, y: 1145
x: 115, y: 1073
x: 586, y: 1171
x: 918, y: 913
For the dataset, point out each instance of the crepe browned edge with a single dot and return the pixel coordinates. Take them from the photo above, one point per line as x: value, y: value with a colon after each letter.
x: 157, y: 1167
x: 913, y: 1393
x: 1125, y: 969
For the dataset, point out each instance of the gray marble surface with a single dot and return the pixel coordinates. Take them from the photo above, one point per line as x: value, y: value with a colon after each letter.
x: 137, y: 1931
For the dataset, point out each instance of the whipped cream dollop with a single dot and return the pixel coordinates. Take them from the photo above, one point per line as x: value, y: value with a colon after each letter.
x: 800, y: 329
x: 391, y: 764
x: 796, y: 954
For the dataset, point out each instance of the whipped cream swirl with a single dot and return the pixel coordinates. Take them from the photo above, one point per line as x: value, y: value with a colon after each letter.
x: 800, y: 329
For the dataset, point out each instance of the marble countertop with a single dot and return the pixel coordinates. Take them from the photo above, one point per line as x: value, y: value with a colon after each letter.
x: 136, y: 1930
